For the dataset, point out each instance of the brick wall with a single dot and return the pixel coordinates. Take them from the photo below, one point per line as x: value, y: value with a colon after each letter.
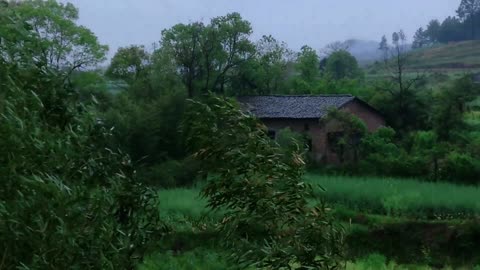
x: 318, y: 133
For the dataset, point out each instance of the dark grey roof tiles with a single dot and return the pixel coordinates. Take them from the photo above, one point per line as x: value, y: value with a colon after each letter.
x: 296, y: 107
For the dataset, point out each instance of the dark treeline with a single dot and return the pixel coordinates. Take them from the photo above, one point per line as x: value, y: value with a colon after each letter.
x: 464, y: 26
x: 428, y: 131
x: 191, y: 60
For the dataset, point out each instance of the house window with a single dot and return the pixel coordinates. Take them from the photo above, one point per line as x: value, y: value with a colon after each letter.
x: 271, y: 134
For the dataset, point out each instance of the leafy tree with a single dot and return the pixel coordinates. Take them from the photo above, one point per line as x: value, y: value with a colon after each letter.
x: 268, y: 222
x: 420, y: 39
x: 379, y: 152
x: 342, y: 65
x: 129, y: 64
x: 430, y: 150
x: 183, y: 42
x: 272, y: 57
x: 433, y: 31
x: 58, y: 41
x: 451, y: 30
x: 352, y: 130
x: 308, y: 64
x: 208, y: 55
x: 451, y: 107
x: 384, y: 47
x: 469, y: 11
x: 235, y: 47
x: 164, y: 76
x: 401, y: 101
x: 67, y: 200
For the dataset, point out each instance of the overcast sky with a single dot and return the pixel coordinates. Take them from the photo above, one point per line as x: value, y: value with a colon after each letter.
x: 297, y: 22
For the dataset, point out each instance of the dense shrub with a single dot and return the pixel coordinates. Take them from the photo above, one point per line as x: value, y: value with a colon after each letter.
x: 171, y: 173
x: 268, y: 221
x: 460, y: 167
x: 67, y: 200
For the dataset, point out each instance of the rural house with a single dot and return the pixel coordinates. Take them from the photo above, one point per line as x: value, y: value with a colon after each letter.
x: 302, y: 113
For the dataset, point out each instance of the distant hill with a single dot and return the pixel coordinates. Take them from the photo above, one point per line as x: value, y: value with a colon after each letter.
x: 366, y: 51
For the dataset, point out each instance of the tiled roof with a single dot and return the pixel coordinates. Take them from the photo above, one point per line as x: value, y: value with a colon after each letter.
x: 296, y: 107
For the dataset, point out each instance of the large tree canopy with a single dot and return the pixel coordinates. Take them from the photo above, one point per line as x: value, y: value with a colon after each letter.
x: 58, y: 41
x: 342, y: 65
x: 207, y: 55
x: 129, y: 63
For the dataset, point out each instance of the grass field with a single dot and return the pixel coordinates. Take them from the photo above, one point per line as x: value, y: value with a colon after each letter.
x: 399, y: 197
x: 211, y: 260
x: 378, y: 207
x: 384, y: 196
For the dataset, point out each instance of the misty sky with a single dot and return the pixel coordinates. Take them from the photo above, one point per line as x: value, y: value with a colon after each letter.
x: 297, y: 22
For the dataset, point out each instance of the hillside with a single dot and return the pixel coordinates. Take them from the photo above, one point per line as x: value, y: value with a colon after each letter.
x: 457, y: 56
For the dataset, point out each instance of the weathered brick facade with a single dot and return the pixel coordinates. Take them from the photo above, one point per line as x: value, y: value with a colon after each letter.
x: 321, y: 152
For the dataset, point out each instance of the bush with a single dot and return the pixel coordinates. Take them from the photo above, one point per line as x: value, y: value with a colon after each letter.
x: 460, y: 167
x: 67, y: 200
x: 171, y: 173
x: 268, y: 222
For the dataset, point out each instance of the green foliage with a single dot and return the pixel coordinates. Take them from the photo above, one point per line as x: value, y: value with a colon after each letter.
x: 58, y: 41
x: 452, y: 29
x: 192, y: 260
x: 148, y: 131
x: 291, y: 141
x: 68, y: 201
x: 207, y: 55
x: 61, y: 186
x: 341, y: 64
x: 267, y: 221
x: 170, y: 173
x: 307, y: 65
x: 377, y: 261
x: 380, y: 153
x: 129, y: 64
x: 452, y: 105
x: 352, y: 130
x: 184, y: 202
x: 460, y: 167
x: 267, y: 73
x: 401, y: 97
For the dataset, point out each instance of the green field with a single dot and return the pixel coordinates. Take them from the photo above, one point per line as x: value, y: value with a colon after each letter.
x: 364, y: 205
x: 400, y: 197
x: 381, y: 196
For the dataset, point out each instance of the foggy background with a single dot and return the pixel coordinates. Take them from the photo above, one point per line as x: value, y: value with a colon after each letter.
x: 300, y: 22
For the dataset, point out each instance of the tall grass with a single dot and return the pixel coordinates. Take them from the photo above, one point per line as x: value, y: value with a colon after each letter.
x: 201, y: 259
x: 369, y: 195
x: 182, y: 202
x: 399, y: 196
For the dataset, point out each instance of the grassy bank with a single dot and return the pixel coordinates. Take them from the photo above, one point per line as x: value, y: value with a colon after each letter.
x: 387, y: 216
x: 384, y: 196
x: 399, y: 197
